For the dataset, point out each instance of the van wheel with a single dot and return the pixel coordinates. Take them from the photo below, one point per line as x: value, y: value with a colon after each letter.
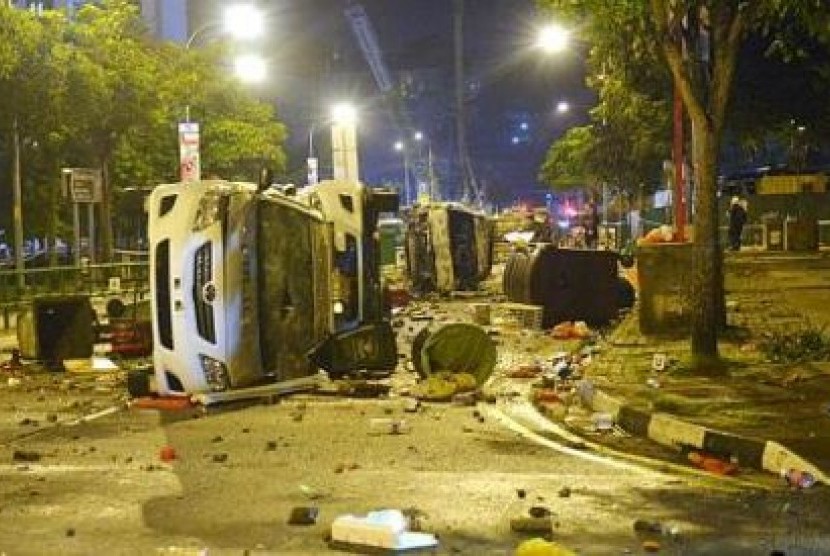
x: 138, y: 384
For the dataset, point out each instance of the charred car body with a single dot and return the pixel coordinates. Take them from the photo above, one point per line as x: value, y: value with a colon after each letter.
x: 448, y: 247
x: 255, y: 285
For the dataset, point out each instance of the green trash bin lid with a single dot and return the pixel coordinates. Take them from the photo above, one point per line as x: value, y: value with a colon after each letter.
x: 457, y: 348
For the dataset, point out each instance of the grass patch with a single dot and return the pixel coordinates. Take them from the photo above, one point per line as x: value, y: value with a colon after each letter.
x: 808, y: 343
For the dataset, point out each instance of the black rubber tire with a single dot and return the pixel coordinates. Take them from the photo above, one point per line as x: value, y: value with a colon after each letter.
x: 138, y: 384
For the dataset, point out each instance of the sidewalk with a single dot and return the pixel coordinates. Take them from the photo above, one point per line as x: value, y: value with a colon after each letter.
x: 770, y: 416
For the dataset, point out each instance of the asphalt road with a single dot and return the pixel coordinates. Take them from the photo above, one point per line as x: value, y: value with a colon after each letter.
x: 100, y: 486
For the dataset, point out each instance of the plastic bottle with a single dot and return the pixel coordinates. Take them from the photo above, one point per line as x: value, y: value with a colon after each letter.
x: 799, y: 479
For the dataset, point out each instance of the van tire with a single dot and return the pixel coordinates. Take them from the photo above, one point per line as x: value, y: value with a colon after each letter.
x: 138, y: 384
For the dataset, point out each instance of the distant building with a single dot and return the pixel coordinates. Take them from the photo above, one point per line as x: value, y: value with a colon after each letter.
x: 166, y: 19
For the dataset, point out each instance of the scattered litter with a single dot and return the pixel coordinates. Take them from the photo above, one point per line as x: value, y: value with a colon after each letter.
x: 798, y: 479
x: 546, y: 395
x: 525, y: 371
x: 14, y: 382
x: 712, y: 464
x: 380, y: 529
x: 646, y: 526
x: 653, y: 382
x: 387, y: 425
x: 92, y: 364
x: 167, y: 453
x: 539, y: 512
x: 465, y: 398
x: 659, y: 362
x: 14, y: 363
x: 569, y: 330
x: 529, y: 524
x: 412, y: 405
x: 651, y: 546
x: 603, y: 422
x: 26, y: 455
x: 565, y: 492
x: 219, y: 458
x: 310, y: 492
x: 541, y: 547
x: 303, y: 515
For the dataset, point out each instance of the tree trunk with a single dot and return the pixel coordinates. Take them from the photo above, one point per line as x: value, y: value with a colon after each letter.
x: 17, y: 193
x: 706, y: 289
x: 105, y: 224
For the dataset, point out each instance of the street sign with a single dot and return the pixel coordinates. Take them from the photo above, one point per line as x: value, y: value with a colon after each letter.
x: 189, y: 161
x: 84, y: 184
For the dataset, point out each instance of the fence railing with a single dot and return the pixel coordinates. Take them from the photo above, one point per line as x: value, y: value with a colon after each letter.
x: 129, y: 281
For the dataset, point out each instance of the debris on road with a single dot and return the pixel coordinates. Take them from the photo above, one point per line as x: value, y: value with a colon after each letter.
x: 167, y: 453
x: 798, y: 479
x: 712, y: 464
x: 529, y: 524
x: 26, y: 455
x: 385, y: 529
x: 303, y: 515
x: 541, y: 547
x: 386, y: 425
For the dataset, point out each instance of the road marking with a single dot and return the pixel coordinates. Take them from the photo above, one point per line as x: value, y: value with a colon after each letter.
x: 604, y: 455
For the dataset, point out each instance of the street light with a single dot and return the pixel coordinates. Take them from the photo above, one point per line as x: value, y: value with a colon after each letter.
x: 250, y: 68
x: 563, y: 107
x: 242, y: 22
x: 553, y: 38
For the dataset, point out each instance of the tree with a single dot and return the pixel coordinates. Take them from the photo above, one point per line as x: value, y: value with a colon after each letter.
x: 698, y: 41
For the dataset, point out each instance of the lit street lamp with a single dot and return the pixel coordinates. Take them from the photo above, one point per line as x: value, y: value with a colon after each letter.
x: 553, y: 38
x: 250, y: 68
x: 242, y: 22
x: 563, y: 107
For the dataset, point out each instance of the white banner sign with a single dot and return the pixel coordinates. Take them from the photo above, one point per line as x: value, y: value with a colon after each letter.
x: 189, y: 162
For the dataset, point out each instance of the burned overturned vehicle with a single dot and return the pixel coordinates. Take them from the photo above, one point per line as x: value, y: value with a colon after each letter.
x: 448, y: 247
x: 259, y: 284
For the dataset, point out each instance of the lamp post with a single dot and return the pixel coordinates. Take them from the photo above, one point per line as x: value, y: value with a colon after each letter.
x: 242, y: 22
x: 400, y: 146
x: 430, y: 185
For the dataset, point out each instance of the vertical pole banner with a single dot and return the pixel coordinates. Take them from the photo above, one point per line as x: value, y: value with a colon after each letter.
x: 189, y: 162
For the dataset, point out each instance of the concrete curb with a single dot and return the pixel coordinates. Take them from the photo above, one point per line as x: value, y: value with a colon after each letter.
x: 669, y: 430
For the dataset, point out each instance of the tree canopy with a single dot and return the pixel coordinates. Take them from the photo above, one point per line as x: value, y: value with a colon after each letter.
x: 698, y: 43
x: 98, y: 91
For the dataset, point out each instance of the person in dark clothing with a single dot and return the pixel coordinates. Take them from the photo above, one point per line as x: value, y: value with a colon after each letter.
x: 737, y: 219
x: 591, y: 225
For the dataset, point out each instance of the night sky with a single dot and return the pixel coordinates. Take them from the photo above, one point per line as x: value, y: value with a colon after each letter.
x: 511, y: 88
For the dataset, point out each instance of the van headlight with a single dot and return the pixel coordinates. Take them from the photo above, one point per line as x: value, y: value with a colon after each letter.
x: 216, y: 373
x: 212, y: 208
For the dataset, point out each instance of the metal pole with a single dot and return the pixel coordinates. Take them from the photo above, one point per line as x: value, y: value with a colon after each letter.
x: 90, y: 210
x: 406, y: 191
x: 18, y: 208
x: 76, y: 233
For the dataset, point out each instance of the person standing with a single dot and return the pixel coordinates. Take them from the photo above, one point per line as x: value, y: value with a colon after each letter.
x: 591, y: 225
x: 737, y: 219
